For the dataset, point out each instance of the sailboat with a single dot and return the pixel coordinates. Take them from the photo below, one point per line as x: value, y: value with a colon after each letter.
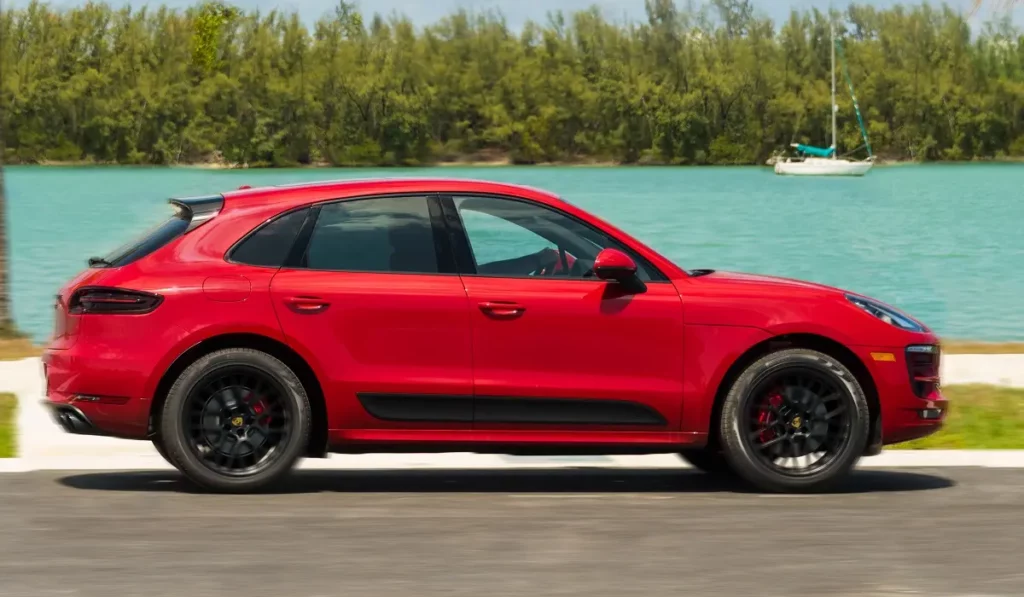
x: 822, y: 161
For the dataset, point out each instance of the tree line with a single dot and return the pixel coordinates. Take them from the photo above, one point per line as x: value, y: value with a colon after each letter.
x: 714, y: 84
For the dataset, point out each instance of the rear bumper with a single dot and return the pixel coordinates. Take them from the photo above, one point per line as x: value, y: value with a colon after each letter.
x: 92, y: 393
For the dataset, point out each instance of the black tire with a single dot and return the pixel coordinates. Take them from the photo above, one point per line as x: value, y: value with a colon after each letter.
x: 708, y: 461
x: 223, y: 401
x: 809, y: 406
x: 158, y: 443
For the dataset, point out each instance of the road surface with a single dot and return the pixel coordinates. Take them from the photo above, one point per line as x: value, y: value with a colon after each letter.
x: 593, y: 532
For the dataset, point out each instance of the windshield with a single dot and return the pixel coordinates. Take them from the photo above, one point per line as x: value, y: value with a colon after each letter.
x: 148, y: 242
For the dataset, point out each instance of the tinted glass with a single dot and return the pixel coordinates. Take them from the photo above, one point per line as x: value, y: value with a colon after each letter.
x: 269, y: 245
x: 516, y: 238
x: 388, y: 234
x: 148, y: 242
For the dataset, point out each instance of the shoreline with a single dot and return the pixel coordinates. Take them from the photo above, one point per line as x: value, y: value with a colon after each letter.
x: 483, y: 162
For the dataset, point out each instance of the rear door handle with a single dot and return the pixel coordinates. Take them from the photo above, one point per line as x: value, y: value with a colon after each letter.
x: 502, y: 309
x: 306, y: 305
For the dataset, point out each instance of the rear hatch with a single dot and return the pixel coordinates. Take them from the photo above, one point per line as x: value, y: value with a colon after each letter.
x: 69, y: 322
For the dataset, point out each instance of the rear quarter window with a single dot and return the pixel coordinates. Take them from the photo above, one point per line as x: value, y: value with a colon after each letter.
x: 270, y: 244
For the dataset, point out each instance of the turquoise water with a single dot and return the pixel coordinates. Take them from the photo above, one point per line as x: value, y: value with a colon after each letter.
x: 944, y: 242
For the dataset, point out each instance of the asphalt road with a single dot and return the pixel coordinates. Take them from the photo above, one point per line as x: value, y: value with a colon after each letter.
x: 491, y: 533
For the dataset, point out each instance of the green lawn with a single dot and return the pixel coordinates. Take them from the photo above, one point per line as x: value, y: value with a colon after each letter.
x: 19, y: 348
x: 970, y: 347
x: 980, y: 417
x: 8, y: 407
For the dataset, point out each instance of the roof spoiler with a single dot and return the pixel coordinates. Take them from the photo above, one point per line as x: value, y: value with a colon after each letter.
x: 199, y: 209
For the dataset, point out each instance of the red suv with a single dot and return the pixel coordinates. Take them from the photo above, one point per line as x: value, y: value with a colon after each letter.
x: 264, y: 325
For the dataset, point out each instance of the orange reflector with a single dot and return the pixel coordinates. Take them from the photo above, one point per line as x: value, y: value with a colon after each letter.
x: 884, y: 356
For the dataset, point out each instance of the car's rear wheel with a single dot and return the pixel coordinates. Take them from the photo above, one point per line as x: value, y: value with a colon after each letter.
x: 795, y: 420
x: 707, y: 460
x: 236, y: 420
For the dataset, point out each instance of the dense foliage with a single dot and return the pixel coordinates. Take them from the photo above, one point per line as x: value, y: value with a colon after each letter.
x: 715, y: 85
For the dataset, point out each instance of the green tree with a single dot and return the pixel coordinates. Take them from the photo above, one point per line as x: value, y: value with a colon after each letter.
x: 7, y: 329
x: 714, y: 83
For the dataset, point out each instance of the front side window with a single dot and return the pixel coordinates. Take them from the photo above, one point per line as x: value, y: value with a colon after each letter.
x: 385, y: 234
x: 516, y: 238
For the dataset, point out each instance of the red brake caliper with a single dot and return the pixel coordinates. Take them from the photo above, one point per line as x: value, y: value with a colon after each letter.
x: 764, y: 418
x: 259, y: 408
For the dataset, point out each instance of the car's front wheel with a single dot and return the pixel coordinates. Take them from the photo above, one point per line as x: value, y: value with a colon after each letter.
x: 236, y: 420
x: 794, y: 420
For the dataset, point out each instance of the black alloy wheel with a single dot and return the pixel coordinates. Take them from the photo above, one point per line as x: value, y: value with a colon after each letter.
x: 237, y: 419
x: 797, y: 420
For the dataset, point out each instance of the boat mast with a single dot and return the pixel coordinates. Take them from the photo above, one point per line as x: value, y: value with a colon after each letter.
x: 832, y: 31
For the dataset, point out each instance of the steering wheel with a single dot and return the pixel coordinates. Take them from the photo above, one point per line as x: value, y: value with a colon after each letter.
x: 582, y: 269
x: 547, y: 260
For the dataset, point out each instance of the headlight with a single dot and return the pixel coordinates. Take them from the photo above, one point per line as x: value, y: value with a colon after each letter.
x: 886, y: 313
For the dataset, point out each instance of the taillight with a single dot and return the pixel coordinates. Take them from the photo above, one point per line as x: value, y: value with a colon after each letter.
x: 113, y: 301
x: 923, y: 366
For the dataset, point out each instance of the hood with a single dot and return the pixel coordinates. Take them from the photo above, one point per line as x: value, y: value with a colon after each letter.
x: 742, y: 281
x: 784, y: 306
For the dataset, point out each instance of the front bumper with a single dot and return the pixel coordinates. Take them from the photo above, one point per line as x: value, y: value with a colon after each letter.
x: 904, y: 415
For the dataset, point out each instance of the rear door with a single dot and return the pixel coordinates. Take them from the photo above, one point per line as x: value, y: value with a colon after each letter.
x: 377, y: 303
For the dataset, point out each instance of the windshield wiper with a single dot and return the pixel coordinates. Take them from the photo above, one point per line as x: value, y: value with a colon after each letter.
x: 696, y: 273
x: 99, y: 262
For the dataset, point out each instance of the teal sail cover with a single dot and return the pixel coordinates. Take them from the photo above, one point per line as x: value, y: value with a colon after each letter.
x: 815, y: 151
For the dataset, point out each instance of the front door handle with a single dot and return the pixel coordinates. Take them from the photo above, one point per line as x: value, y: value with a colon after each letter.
x: 307, y: 305
x: 502, y: 309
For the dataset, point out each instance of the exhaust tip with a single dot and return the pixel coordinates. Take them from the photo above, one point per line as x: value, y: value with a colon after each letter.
x: 72, y: 421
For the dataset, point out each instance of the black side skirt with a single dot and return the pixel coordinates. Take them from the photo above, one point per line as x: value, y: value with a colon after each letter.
x: 524, y: 411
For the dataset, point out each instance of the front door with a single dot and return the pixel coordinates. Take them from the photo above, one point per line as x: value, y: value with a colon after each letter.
x: 382, y: 314
x: 553, y: 346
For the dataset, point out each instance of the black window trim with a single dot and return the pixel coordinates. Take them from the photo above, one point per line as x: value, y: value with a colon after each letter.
x: 229, y: 254
x: 459, y: 240
x: 442, y: 248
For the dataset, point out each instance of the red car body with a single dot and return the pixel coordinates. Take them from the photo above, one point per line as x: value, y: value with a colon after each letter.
x: 467, y: 341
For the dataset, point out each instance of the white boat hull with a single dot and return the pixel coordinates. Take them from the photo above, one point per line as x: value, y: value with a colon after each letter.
x: 822, y: 167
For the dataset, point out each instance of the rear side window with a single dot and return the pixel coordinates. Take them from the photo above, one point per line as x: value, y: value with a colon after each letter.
x: 270, y: 245
x: 385, y: 234
x: 150, y: 241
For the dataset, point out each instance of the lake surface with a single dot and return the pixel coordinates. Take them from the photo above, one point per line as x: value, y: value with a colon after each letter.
x: 943, y: 242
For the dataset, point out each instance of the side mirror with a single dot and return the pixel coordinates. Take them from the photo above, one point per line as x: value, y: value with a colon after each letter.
x: 614, y: 265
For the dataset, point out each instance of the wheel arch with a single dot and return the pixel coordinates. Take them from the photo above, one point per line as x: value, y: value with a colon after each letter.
x: 317, y: 447
x: 822, y: 344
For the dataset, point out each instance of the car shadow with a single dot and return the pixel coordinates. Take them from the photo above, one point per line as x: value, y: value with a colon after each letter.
x: 581, y: 480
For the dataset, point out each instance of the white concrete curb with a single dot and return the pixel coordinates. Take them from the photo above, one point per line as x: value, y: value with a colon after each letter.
x: 460, y: 461
x: 44, y: 446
